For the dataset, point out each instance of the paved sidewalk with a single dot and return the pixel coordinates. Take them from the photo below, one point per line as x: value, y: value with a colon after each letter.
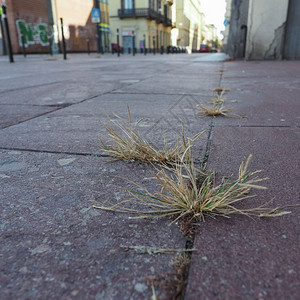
x: 55, y: 245
x: 241, y: 258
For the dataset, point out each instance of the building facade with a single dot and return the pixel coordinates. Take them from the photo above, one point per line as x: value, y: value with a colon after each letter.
x: 141, y: 24
x: 189, y: 24
x: 266, y: 29
x: 36, y: 25
x: 226, y: 23
x: 237, y: 35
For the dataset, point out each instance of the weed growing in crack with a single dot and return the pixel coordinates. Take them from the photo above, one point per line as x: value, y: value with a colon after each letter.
x: 217, y: 98
x: 214, y: 110
x: 126, y: 143
x: 184, y: 192
x: 217, y: 107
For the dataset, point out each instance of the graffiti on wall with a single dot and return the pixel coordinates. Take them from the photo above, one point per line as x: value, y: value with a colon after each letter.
x: 32, y: 33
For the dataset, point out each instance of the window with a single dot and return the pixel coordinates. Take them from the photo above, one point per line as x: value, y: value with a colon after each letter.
x: 128, y: 4
x: 151, y: 4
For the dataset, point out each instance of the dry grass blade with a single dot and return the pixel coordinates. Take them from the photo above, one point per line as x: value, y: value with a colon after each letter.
x: 155, y: 250
x: 182, y: 194
x: 214, y: 110
x: 217, y: 98
x: 221, y: 71
x: 153, y: 292
x: 217, y: 108
x: 124, y: 142
x: 220, y: 90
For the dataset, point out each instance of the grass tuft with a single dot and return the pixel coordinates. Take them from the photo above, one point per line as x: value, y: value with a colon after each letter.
x: 214, y: 110
x: 217, y: 107
x: 182, y: 194
x: 125, y: 143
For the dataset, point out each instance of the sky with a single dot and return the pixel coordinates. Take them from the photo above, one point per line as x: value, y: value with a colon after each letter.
x: 214, y: 11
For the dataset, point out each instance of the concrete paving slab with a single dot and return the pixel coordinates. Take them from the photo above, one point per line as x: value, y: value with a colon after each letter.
x: 271, y: 89
x: 241, y: 258
x: 67, y: 92
x: 39, y: 73
x: 55, y: 245
x: 211, y: 57
x: 76, y: 128
x: 14, y: 114
x: 175, y: 83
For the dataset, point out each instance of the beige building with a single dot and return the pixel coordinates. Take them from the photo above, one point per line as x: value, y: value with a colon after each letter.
x: 189, y: 24
x: 210, y: 36
x: 141, y: 22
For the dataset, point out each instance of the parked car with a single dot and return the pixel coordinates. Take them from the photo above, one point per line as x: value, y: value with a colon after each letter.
x: 204, y: 48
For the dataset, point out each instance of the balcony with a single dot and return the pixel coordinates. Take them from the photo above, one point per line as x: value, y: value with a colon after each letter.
x: 144, y: 13
x: 137, y: 13
x: 168, y: 22
x: 159, y: 18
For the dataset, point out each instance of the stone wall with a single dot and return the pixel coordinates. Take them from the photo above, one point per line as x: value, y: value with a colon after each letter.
x: 266, y: 29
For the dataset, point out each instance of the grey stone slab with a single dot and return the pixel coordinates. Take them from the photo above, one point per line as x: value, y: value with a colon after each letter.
x: 14, y: 114
x: 55, y: 245
x: 244, y: 258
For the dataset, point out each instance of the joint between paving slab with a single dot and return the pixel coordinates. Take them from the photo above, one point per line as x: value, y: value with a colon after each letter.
x: 205, y: 157
x: 58, y: 107
x: 258, y: 126
x: 139, y: 93
x: 39, y: 115
x: 54, y: 152
x: 190, y: 241
x: 28, y: 87
x: 203, y: 164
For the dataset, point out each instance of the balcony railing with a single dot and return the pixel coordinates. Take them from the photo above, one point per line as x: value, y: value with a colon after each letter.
x: 167, y: 22
x: 160, y: 18
x: 144, y: 13
x: 137, y: 13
